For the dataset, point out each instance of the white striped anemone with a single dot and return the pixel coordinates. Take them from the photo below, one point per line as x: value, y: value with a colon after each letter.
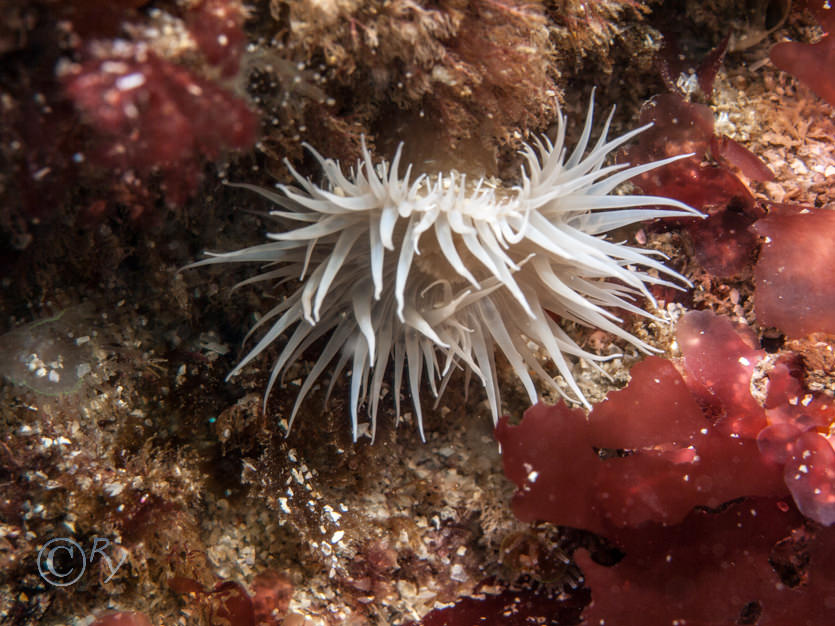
x: 436, y: 274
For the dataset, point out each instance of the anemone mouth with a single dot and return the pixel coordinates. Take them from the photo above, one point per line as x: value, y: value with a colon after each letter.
x: 435, y: 274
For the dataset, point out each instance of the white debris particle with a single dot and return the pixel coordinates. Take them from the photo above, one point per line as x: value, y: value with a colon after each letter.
x: 458, y: 574
x: 331, y: 513
x: 113, y: 489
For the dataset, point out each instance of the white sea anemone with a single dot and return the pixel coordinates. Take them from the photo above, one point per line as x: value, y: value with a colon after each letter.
x: 433, y: 274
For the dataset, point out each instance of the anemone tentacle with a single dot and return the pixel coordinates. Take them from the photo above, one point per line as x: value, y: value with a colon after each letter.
x: 436, y: 274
